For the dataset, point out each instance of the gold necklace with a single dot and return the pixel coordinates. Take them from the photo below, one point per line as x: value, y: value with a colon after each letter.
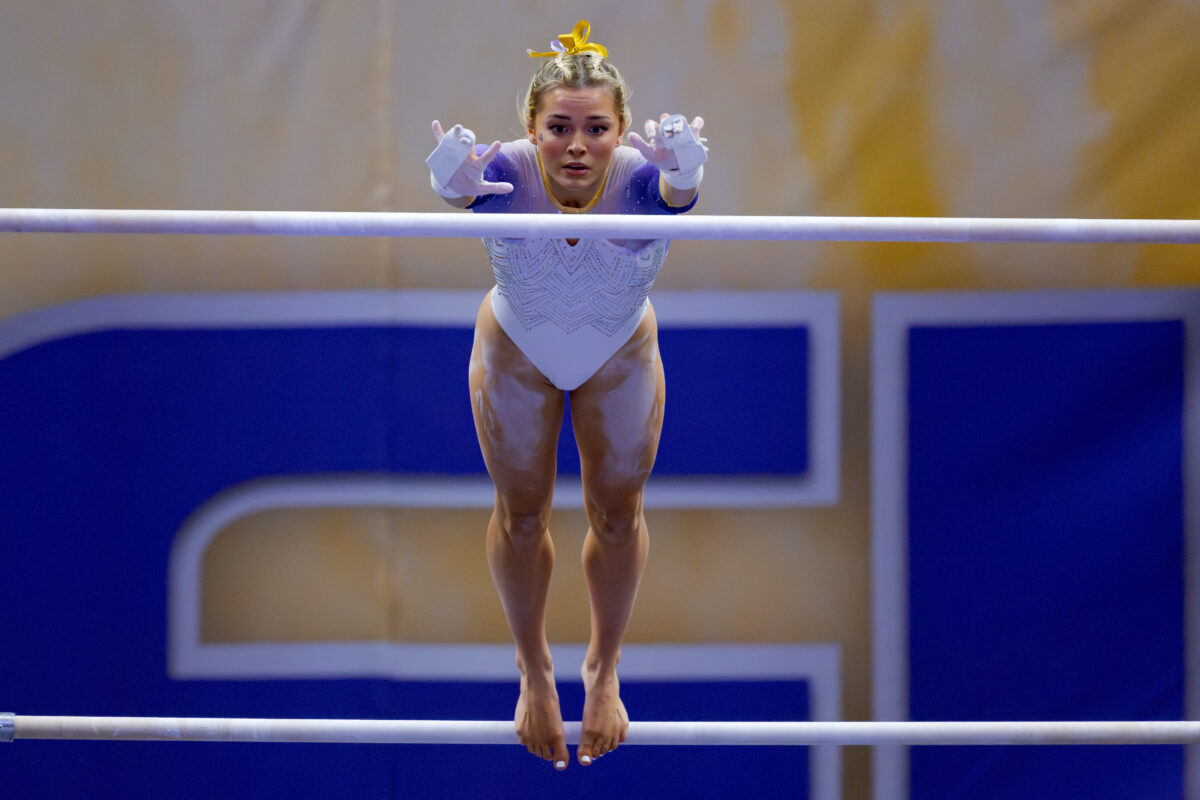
x: 569, y: 209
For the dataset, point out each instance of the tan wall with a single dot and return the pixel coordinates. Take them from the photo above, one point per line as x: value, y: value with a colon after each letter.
x: 886, y: 107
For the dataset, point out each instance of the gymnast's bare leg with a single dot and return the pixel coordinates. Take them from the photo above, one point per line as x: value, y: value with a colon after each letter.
x: 617, y: 415
x: 518, y: 414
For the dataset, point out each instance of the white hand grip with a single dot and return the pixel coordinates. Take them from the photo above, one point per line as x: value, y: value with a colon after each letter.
x: 450, y: 153
x: 681, y: 139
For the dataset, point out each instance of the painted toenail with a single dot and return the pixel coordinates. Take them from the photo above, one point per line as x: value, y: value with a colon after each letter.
x: 560, y: 764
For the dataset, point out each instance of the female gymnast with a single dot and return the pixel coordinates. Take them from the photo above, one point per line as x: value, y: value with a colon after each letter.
x: 570, y: 316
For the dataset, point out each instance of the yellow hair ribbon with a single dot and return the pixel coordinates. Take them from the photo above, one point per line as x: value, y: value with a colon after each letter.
x: 573, y: 43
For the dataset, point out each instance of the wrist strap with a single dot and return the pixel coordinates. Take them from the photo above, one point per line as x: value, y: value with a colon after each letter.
x: 449, y: 194
x: 684, y: 180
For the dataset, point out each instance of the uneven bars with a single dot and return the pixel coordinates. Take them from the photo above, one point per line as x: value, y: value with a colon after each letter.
x: 608, y: 226
x: 352, y: 731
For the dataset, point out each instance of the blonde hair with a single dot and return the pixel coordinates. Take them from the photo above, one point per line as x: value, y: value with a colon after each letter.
x: 575, y: 71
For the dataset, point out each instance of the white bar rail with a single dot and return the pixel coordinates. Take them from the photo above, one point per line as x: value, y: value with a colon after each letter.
x: 608, y: 226
x: 640, y: 733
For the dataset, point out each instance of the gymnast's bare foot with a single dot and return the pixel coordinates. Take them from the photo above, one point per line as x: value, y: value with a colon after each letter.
x: 605, y: 721
x: 538, y: 718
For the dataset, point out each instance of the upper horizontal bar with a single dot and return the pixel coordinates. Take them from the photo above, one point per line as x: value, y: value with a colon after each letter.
x: 640, y: 733
x: 608, y: 226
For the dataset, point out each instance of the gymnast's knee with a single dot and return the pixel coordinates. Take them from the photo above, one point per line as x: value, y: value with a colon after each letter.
x: 523, y: 529
x: 615, y: 525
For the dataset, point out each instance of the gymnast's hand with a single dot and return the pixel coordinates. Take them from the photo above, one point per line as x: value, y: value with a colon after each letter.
x: 676, y: 148
x: 455, y: 171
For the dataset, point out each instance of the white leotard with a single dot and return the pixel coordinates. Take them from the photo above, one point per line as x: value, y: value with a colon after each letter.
x: 569, y: 308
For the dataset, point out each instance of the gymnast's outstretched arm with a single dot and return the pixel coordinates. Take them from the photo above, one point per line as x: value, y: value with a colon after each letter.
x: 674, y: 146
x: 456, y: 171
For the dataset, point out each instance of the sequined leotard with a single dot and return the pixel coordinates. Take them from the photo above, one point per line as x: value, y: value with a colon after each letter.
x: 569, y: 308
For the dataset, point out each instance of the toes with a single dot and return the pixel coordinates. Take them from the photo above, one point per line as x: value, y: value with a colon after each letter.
x: 586, y: 752
x: 590, y: 751
x: 561, y: 754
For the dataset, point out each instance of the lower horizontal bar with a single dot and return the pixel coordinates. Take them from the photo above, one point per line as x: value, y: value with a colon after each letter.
x: 640, y: 733
x: 608, y: 226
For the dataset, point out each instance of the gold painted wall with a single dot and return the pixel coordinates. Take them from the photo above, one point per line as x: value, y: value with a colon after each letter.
x: 859, y: 107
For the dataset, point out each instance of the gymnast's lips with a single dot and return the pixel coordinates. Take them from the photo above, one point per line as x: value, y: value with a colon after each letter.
x: 576, y: 168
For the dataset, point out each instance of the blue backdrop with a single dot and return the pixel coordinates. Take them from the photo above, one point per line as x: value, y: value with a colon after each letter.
x: 1046, y: 550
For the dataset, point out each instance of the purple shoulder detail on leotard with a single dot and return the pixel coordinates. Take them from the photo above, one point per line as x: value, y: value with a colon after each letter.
x: 642, y: 195
x: 501, y: 169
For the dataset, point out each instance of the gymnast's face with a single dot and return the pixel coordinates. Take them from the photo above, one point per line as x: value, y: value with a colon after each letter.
x: 576, y: 132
